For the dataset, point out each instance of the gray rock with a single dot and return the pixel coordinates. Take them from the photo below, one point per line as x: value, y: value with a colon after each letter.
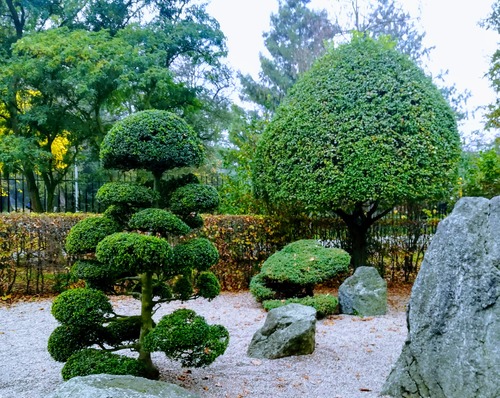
x: 111, y: 386
x: 288, y: 330
x: 453, y: 344
x: 364, y: 293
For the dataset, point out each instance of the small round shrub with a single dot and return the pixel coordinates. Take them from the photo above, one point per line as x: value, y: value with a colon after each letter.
x: 198, y: 253
x: 186, y: 337
x: 305, y: 262
x: 81, y: 307
x: 126, y: 194
x: 163, y: 291
x: 259, y: 289
x: 154, y: 140
x: 169, y: 186
x: 208, y: 285
x: 183, y: 288
x: 324, y: 304
x: 65, y: 340
x: 87, y: 233
x: 131, y: 252
x: 95, y: 274
x: 158, y: 221
x: 194, y: 198
x: 123, y: 329
x: 90, y: 361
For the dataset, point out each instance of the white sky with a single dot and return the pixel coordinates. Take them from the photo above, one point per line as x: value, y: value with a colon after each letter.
x: 461, y: 46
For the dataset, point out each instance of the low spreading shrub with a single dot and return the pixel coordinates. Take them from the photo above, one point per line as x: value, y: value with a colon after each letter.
x: 324, y: 304
x: 90, y: 361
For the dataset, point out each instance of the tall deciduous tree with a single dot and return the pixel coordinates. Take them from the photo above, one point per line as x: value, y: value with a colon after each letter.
x: 297, y: 37
x: 361, y: 132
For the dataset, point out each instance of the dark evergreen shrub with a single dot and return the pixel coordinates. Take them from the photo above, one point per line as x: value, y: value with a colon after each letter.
x: 208, y: 285
x: 126, y: 194
x: 65, y: 340
x: 131, y: 252
x: 91, y: 361
x: 122, y: 330
x: 183, y: 288
x: 197, y: 253
x: 87, y: 233
x: 83, y: 308
x: 192, y: 198
x: 95, y: 274
x: 186, y: 337
x: 153, y: 140
x: 158, y: 221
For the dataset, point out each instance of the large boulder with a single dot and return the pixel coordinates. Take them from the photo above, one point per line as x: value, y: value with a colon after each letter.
x: 453, y: 344
x: 112, y: 386
x: 364, y: 293
x: 288, y: 330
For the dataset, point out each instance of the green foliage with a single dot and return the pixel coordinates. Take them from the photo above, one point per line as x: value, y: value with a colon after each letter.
x: 87, y: 233
x: 123, y: 329
x: 208, y: 285
x: 293, y: 271
x: 193, y: 220
x: 96, y: 275
x: 186, y: 337
x: 362, y: 131
x: 152, y: 140
x: 324, y: 304
x: 305, y: 262
x: 133, y: 253
x: 259, y: 289
x: 183, y: 288
x: 170, y: 185
x: 83, y: 308
x: 363, y: 125
x: 91, y: 361
x: 65, y: 340
x: 197, y: 253
x: 481, y: 172
x: 126, y: 195
x: 194, y: 198
x: 158, y: 221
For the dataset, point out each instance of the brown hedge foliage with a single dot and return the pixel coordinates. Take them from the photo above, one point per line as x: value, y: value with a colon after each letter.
x: 32, y: 257
x: 244, y: 243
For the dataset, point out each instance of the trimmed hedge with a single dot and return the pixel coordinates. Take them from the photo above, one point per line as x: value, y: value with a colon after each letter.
x: 33, y: 259
x: 324, y: 304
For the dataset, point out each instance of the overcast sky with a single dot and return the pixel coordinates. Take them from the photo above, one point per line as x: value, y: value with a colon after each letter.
x: 462, y: 47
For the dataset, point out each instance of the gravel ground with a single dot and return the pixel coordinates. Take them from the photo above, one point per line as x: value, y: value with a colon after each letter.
x: 353, y: 355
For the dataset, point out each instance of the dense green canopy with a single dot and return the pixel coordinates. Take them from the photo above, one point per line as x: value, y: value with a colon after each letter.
x: 365, y: 125
x: 152, y: 140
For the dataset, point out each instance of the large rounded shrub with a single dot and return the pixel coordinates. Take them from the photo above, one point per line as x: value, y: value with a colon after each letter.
x: 81, y: 308
x: 362, y: 131
x: 90, y: 361
x: 87, y: 233
x: 192, y: 198
x: 153, y: 140
x: 294, y: 270
x: 65, y: 340
x: 131, y: 252
x: 186, y: 337
x: 158, y: 221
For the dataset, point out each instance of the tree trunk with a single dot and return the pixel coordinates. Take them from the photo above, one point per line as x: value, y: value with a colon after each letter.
x: 156, y: 187
x: 147, y: 323
x: 33, y: 192
x: 359, y: 243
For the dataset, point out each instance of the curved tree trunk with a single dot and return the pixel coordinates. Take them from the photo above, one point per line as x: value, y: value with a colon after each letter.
x: 33, y: 192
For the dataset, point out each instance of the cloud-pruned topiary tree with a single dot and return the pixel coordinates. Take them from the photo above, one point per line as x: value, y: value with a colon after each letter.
x: 128, y: 249
x: 362, y: 131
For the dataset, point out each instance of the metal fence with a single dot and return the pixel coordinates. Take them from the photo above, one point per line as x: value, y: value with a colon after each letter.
x: 71, y: 195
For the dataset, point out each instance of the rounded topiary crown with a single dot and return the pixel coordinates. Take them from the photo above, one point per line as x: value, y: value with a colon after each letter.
x: 153, y: 140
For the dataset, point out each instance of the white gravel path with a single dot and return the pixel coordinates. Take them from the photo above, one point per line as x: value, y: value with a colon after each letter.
x: 353, y: 355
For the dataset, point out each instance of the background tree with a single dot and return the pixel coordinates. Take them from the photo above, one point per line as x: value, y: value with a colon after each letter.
x: 297, y: 37
x: 140, y: 260
x: 362, y: 131
x: 105, y: 62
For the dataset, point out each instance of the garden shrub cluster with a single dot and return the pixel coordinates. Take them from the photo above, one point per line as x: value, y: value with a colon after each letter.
x: 324, y: 304
x: 294, y: 271
x: 140, y: 250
